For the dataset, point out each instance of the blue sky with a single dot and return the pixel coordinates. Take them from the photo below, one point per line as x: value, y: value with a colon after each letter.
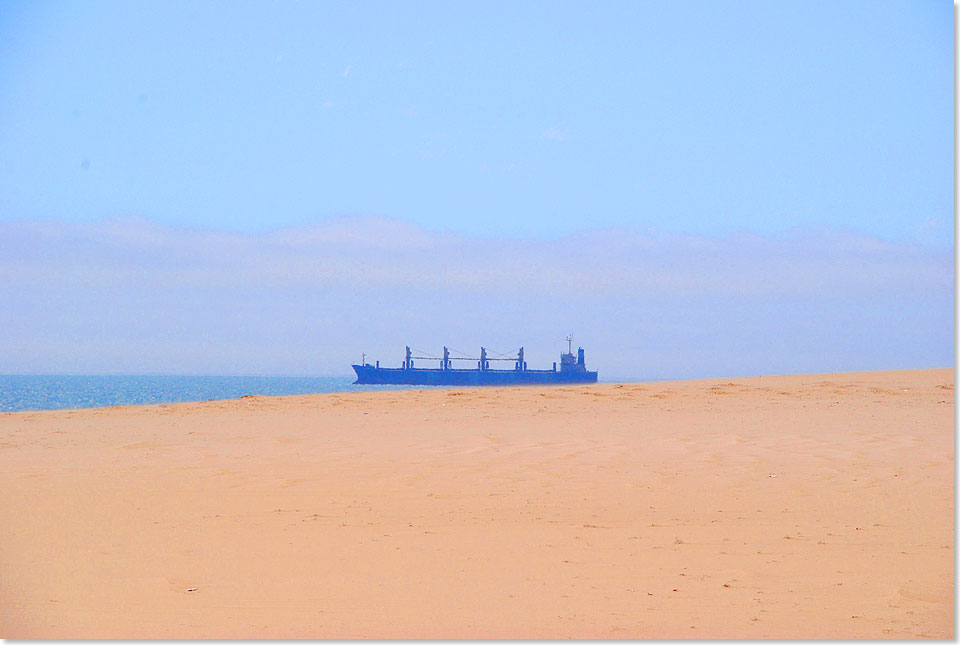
x: 518, y: 119
x: 790, y: 165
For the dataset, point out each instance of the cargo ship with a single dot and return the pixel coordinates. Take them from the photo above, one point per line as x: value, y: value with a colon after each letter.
x: 573, y: 369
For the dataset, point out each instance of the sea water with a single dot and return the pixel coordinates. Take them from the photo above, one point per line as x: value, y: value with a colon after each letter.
x: 57, y: 392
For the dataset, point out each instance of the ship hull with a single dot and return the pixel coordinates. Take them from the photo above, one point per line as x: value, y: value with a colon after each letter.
x: 370, y: 375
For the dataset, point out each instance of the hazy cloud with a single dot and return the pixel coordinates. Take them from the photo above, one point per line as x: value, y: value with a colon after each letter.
x: 556, y: 134
x: 375, y: 252
x: 305, y: 300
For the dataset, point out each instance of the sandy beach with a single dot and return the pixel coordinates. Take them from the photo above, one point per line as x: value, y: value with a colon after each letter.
x: 793, y: 506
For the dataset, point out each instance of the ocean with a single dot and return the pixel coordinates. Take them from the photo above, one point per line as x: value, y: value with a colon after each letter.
x: 58, y: 392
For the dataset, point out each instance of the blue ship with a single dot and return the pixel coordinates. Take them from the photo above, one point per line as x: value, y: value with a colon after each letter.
x: 573, y: 369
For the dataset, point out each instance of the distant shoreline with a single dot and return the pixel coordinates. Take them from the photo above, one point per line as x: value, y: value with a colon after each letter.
x: 46, y: 392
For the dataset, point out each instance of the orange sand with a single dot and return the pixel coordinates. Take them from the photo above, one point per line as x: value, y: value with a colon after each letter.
x: 795, y: 506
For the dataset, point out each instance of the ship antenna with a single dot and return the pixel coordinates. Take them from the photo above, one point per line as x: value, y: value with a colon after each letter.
x: 569, y: 343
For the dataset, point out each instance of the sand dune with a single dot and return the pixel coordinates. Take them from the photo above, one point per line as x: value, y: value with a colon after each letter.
x: 796, y: 506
